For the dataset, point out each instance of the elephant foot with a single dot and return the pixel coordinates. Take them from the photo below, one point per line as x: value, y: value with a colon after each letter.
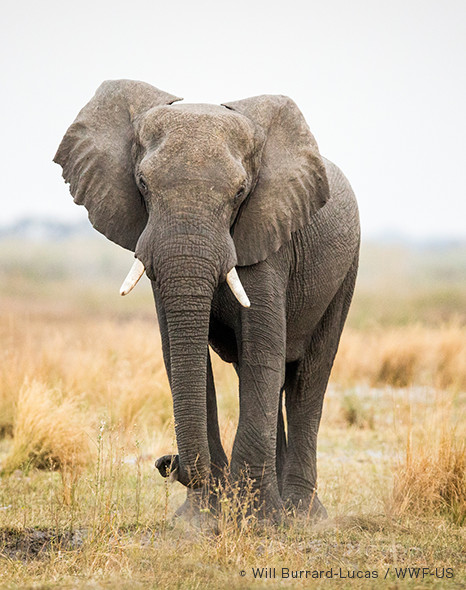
x: 309, y: 508
x: 259, y: 499
x: 200, y: 507
x: 203, y: 505
x: 274, y: 513
x: 199, y: 510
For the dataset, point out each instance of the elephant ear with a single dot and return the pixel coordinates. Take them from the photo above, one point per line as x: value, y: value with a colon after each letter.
x: 291, y: 180
x: 96, y: 157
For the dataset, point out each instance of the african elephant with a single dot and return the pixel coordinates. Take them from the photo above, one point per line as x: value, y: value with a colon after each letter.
x: 250, y: 239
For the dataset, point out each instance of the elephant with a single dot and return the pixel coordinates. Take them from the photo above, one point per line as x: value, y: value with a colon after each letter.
x: 250, y: 239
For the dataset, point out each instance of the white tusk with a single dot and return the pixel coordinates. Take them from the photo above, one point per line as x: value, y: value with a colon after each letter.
x: 135, y: 273
x: 237, y: 288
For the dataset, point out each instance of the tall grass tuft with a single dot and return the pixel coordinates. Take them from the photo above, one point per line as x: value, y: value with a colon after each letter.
x: 49, y: 434
x: 432, y: 476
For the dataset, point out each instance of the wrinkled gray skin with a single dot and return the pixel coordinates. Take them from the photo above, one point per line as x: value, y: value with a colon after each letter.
x: 194, y: 190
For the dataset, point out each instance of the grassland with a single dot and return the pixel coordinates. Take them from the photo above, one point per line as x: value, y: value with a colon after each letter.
x: 85, y: 409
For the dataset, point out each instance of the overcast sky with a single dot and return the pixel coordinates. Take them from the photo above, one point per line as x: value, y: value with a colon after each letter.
x: 380, y: 82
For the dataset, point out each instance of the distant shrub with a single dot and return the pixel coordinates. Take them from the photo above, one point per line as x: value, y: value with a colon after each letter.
x: 355, y: 413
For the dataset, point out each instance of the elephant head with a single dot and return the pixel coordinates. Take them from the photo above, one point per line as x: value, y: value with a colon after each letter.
x: 193, y: 190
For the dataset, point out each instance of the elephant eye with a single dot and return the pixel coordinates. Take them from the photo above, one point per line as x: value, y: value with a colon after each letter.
x: 142, y: 183
x: 239, y: 194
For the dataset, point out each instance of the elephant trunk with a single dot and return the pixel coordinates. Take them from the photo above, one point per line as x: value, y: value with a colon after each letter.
x: 188, y: 328
x: 186, y: 271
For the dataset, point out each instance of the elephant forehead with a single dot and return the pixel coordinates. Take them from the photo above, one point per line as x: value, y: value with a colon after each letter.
x: 175, y: 163
x: 205, y: 122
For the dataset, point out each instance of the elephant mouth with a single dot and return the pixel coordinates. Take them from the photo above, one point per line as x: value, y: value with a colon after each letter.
x: 232, y: 278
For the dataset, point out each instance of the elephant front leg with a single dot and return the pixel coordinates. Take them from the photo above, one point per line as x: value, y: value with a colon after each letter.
x: 261, y: 377
x: 254, y: 450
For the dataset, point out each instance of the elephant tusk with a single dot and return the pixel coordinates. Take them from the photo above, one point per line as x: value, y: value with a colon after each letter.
x: 135, y: 273
x: 237, y: 288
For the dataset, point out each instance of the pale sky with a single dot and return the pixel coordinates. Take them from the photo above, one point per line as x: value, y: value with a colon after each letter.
x: 382, y: 84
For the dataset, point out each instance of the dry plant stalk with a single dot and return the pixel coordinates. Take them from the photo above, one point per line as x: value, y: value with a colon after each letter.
x: 48, y: 434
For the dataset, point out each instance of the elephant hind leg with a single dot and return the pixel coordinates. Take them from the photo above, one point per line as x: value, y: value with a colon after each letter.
x: 305, y: 389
